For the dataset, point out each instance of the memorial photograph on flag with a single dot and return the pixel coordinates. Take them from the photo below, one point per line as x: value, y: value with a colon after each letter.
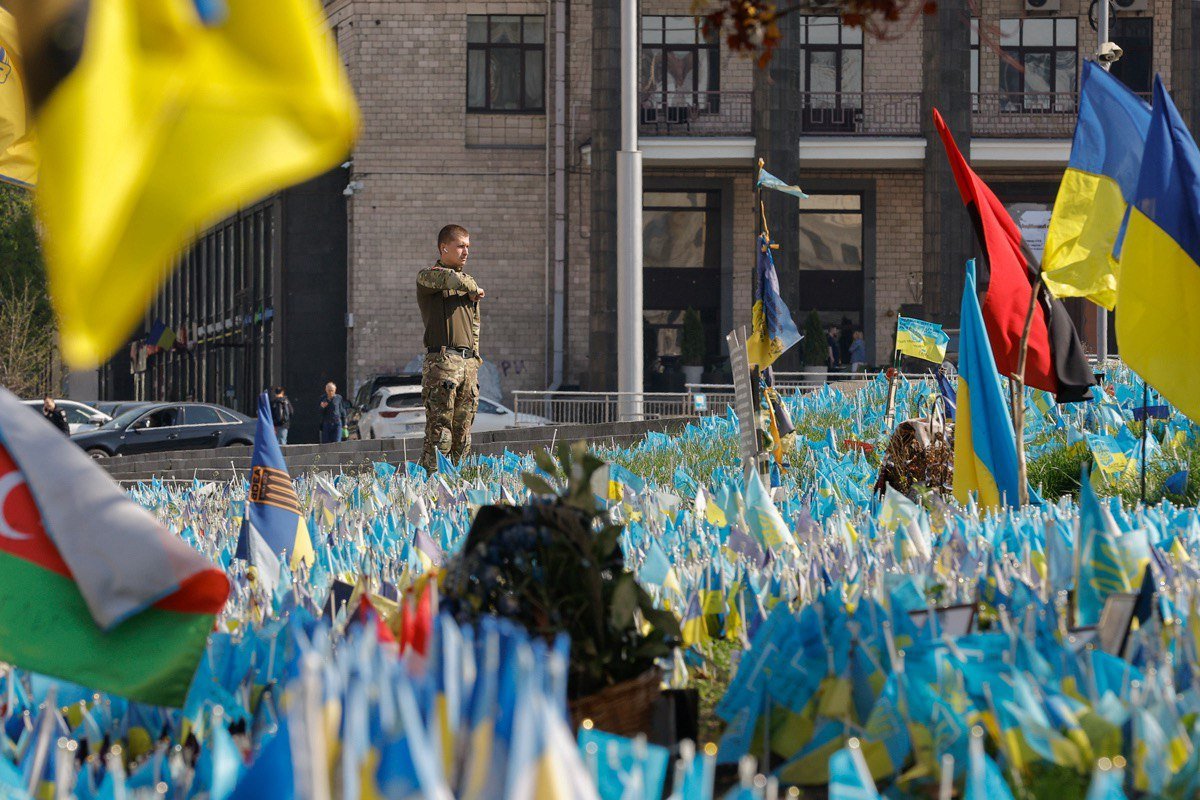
x: 920, y: 339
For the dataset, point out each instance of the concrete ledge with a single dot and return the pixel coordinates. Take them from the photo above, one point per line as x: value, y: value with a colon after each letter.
x: 227, y: 462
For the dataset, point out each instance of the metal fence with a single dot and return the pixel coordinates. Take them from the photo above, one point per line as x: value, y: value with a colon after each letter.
x: 696, y: 113
x: 861, y: 113
x: 698, y: 399
x: 1024, y: 114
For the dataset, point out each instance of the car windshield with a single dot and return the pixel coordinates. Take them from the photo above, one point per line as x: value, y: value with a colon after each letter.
x: 123, y: 419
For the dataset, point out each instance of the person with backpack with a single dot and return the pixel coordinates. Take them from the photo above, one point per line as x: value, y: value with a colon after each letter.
x: 281, y: 414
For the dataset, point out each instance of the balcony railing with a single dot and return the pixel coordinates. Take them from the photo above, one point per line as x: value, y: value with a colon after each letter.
x: 696, y: 114
x: 1021, y: 115
x: 861, y: 113
x: 1024, y: 115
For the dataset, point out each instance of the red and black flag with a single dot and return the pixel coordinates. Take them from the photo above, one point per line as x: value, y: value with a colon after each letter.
x: 1055, y: 361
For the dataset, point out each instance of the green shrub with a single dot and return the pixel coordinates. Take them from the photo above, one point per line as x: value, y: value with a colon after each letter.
x: 816, y: 346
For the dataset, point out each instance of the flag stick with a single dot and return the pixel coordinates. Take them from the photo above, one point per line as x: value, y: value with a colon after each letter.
x: 889, y: 415
x: 1018, y: 397
x: 1145, y: 431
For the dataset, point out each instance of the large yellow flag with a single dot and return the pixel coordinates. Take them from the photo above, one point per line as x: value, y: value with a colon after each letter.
x: 18, y: 157
x: 165, y: 124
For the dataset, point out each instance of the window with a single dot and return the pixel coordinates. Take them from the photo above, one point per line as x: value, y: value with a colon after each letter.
x: 680, y: 71
x: 676, y: 230
x: 75, y: 415
x: 405, y: 401
x: 831, y: 232
x: 201, y: 415
x: 488, y: 407
x: 1039, y: 65
x: 163, y: 418
x: 506, y: 63
x: 831, y: 74
x: 682, y: 260
x: 1135, y: 35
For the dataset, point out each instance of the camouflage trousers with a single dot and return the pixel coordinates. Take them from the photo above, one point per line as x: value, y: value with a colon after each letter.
x: 450, y: 392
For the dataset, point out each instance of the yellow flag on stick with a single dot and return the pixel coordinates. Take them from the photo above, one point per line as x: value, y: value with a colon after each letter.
x: 176, y: 113
x: 18, y: 157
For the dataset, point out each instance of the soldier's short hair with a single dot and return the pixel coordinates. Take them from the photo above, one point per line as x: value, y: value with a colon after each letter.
x: 451, y: 232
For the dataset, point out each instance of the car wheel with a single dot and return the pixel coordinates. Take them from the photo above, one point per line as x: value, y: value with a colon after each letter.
x: 371, y: 433
x: 238, y: 443
x: 98, y: 452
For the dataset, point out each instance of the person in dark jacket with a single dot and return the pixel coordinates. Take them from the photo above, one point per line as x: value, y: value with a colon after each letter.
x: 333, y: 414
x: 54, y: 415
x: 281, y: 414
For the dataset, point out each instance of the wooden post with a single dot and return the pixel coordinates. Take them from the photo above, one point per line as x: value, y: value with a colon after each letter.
x: 1018, y: 397
x: 889, y: 414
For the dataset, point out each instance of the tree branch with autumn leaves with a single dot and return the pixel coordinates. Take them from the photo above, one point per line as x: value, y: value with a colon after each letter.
x: 752, y: 26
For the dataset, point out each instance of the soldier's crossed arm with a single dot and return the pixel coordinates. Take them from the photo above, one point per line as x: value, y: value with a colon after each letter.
x: 437, y: 279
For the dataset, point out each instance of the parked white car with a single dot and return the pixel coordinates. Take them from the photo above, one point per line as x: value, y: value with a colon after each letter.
x: 397, y: 411
x: 80, y: 417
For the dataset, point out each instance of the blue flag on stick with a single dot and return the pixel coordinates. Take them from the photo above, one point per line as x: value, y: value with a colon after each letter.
x: 273, y: 524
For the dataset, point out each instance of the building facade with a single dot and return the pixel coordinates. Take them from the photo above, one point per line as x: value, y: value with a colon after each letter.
x: 503, y: 116
x: 259, y: 301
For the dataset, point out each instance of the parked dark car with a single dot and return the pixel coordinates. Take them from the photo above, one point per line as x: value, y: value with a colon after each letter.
x: 167, y: 426
x: 115, y: 408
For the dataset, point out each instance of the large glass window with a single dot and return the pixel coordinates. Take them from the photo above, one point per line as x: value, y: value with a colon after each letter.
x: 1135, y: 35
x: 680, y: 70
x: 1039, y: 64
x: 831, y: 232
x: 681, y: 254
x: 831, y: 74
x: 831, y: 260
x: 676, y: 230
x: 506, y: 63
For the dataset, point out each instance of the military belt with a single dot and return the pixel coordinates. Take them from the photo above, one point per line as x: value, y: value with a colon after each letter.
x: 465, y: 352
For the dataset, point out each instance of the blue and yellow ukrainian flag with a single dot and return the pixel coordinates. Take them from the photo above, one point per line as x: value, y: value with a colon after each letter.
x: 160, y: 335
x: 921, y: 339
x: 273, y: 524
x: 1082, y: 244
x: 1159, y: 287
x: 18, y: 154
x: 171, y: 115
x: 772, y: 329
x: 985, y: 452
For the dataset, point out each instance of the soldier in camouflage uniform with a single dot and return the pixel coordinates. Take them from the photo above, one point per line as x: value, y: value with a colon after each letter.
x: 449, y: 301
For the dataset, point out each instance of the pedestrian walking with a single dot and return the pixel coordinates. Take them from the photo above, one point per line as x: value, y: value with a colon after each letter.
x: 831, y: 342
x: 449, y: 301
x: 333, y: 414
x: 858, y: 352
x: 55, y: 415
x: 281, y: 414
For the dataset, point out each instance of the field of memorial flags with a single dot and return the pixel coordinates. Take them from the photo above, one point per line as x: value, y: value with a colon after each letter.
x: 896, y: 642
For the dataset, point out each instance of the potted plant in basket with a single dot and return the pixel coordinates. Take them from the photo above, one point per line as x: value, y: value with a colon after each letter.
x: 816, y: 348
x: 691, y: 346
x: 555, y: 566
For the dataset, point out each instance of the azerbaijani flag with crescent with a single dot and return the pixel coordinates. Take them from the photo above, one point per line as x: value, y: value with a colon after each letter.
x: 93, y: 589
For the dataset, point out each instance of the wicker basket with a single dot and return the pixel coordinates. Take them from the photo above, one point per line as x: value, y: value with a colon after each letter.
x: 626, y: 708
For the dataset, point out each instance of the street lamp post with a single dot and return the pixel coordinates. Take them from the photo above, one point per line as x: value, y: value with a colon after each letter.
x: 629, y: 225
